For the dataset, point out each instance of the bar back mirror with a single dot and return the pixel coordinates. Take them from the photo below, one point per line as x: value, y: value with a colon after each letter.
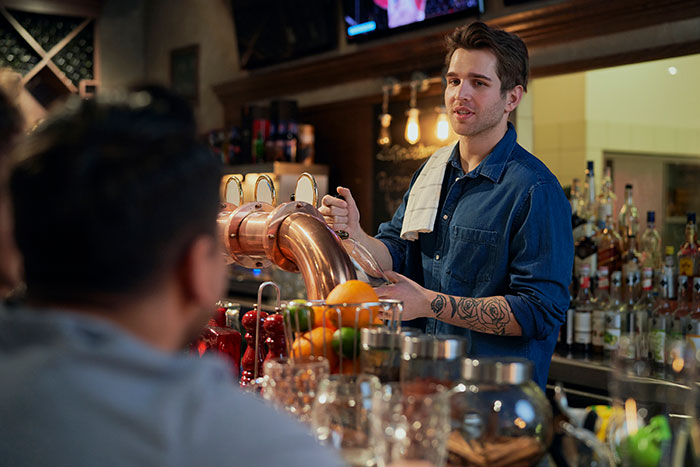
x: 306, y: 189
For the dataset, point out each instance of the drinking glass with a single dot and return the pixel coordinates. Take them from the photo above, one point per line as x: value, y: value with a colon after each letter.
x: 291, y: 384
x: 341, y: 413
x: 410, y: 424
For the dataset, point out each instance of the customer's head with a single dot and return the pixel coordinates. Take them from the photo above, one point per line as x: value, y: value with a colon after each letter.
x: 10, y: 128
x: 115, y: 198
x: 511, y: 53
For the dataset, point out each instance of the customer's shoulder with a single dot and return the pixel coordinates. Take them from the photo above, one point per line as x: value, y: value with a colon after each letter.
x: 524, y: 167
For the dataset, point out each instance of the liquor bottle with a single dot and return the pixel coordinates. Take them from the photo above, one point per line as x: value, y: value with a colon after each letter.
x: 643, y: 309
x: 609, y: 246
x: 651, y: 244
x: 291, y: 142
x: 659, y: 325
x: 583, y: 316
x: 259, y: 148
x: 215, y: 144
x: 692, y: 330
x: 220, y: 336
x: 676, y: 333
x: 628, y: 219
x: 669, y: 274
x: 565, y: 341
x: 630, y: 264
x: 628, y: 328
x: 305, y: 152
x: 568, y: 334
x: 601, y: 304
x: 586, y: 250
x: 613, y: 316
x: 223, y: 151
x: 688, y: 251
x: 578, y: 218
x: 576, y: 197
x: 280, y: 141
x: 234, y: 146
x: 606, y: 199
x: 589, y: 197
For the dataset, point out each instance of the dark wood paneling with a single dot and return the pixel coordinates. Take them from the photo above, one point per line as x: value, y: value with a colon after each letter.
x: 345, y: 142
x: 549, y: 25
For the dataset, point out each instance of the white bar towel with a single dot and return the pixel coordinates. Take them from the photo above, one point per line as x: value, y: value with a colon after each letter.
x: 424, y: 198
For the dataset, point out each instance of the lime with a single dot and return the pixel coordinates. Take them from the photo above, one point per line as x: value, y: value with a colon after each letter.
x: 298, y: 315
x: 349, y: 339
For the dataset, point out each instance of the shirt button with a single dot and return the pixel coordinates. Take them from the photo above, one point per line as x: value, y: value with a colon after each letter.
x: 456, y: 179
x: 437, y: 257
x: 445, y: 216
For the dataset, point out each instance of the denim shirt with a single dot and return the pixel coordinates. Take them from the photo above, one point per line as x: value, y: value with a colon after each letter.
x: 503, y: 229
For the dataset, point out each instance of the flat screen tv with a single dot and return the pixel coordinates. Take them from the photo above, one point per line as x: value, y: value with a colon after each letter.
x: 365, y: 19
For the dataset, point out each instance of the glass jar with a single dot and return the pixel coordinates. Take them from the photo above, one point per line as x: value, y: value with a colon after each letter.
x: 432, y: 359
x: 380, y: 353
x: 341, y: 413
x: 500, y: 417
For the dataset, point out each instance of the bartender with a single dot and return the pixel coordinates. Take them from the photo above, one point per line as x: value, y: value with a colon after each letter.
x: 481, y: 244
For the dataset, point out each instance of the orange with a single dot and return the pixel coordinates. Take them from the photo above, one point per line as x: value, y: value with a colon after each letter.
x: 320, y: 319
x: 355, y: 292
x: 315, y: 337
x: 301, y: 347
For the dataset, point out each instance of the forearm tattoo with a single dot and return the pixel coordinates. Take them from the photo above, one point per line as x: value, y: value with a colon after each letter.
x: 438, y: 305
x: 490, y: 315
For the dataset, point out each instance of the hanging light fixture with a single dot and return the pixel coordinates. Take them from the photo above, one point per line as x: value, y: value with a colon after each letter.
x: 442, y: 128
x: 412, y: 133
x: 385, y: 118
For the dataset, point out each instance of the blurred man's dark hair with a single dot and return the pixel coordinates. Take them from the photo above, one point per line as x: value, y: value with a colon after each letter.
x: 10, y: 262
x: 109, y: 194
x: 10, y: 127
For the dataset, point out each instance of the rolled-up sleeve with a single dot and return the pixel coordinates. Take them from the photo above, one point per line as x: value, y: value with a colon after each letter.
x: 390, y: 234
x: 541, y: 260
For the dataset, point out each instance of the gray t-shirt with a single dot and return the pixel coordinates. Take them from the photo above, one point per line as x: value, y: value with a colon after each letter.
x: 78, y: 391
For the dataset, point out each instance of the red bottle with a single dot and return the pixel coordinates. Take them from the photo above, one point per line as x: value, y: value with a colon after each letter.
x: 219, y: 337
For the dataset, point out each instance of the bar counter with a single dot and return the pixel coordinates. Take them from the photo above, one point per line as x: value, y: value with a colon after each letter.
x: 587, y: 381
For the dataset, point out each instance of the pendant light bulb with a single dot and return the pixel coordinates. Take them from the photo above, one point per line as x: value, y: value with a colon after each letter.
x: 384, y: 130
x: 412, y: 134
x: 442, y: 130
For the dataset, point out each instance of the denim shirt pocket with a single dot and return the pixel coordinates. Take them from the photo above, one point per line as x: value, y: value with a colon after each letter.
x: 473, y: 253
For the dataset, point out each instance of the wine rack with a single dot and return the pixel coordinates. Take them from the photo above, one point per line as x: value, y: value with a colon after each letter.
x: 54, y: 54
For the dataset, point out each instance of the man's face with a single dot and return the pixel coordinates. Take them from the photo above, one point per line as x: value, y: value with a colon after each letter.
x: 473, y: 94
x: 209, y: 279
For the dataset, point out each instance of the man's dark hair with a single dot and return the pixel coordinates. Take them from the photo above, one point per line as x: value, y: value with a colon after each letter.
x: 109, y: 195
x: 10, y: 128
x: 513, y: 66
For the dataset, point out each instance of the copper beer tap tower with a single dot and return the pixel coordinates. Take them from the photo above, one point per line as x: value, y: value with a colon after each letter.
x: 293, y: 235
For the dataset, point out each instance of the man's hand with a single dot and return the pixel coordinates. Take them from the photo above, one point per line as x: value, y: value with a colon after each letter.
x: 342, y: 214
x: 416, y: 299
